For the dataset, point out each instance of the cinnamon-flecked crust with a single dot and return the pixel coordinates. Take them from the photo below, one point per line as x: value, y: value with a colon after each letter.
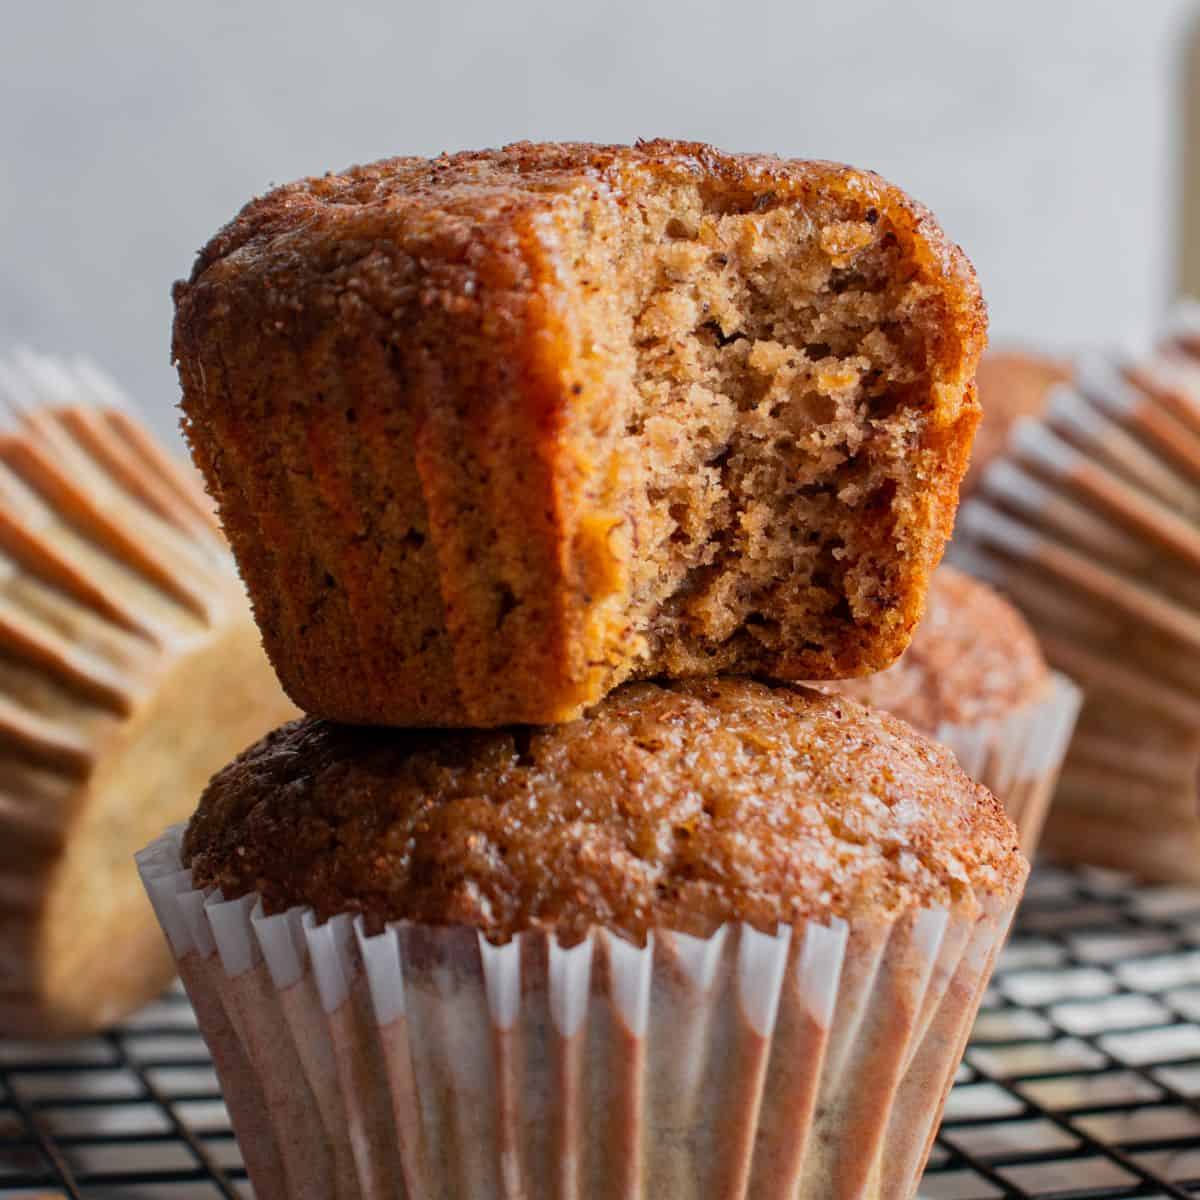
x: 375, y: 373
x: 1012, y: 384
x: 973, y: 659
x: 676, y: 807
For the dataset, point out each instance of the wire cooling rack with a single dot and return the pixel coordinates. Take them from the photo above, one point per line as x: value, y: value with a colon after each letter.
x: 1082, y: 1080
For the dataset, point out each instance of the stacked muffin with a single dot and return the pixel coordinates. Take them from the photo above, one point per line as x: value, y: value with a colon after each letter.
x: 498, y: 439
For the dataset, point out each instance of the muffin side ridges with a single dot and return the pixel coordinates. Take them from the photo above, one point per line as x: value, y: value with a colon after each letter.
x: 489, y: 433
x: 375, y: 389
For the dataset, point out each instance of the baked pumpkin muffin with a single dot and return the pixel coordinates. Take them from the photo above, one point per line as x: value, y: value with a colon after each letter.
x: 973, y: 658
x: 713, y: 938
x: 974, y: 677
x: 130, y: 668
x: 1012, y: 384
x: 493, y: 432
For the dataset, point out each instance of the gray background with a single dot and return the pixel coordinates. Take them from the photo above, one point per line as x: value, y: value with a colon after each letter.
x: 1045, y: 133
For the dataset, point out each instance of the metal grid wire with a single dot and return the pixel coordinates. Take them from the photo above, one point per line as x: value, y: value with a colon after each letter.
x: 1082, y: 1080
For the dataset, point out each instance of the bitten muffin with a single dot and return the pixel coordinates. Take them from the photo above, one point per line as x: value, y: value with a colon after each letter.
x: 973, y: 659
x: 1012, y: 384
x: 494, y: 432
x: 130, y: 668
x: 714, y: 938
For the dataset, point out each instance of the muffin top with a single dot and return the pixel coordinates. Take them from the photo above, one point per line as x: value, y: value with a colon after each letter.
x: 1012, y: 384
x: 973, y: 658
x: 457, y: 198
x: 676, y: 807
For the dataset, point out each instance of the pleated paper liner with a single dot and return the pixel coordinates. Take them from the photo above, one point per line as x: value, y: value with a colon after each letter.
x: 425, y: 1062
x: 129, y: 671
x: 1091, y: 524
x: 1018, y: 757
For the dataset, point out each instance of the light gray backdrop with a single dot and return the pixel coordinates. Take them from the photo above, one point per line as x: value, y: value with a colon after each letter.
x: 1041, y: 131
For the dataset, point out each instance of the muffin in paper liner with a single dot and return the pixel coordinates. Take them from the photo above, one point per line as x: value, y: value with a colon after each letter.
x: 975, y: 679
x: 1091, y: 524
x: 426, y: 1061
x: 1018, y: 757
x: 129, y: 662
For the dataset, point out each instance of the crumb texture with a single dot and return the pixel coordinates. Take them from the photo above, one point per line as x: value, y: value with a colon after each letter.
x: 495, y: 432
x: 973, y: 659
x: 773, y: 386
x: 679, y: 807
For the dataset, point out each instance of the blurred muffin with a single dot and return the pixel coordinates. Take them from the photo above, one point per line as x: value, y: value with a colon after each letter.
x: 492, y: 433
x: 1012, y: 384
x: 1092, y: 524
x: 972, y: 659
x: 975, y: 679
x: 713, y: 938
x: 129, y: 668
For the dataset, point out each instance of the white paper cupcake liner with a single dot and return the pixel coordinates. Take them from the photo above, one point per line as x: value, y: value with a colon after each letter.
x: 1091, y: 524
x: 425, y: 1062
x: 1018, y: 757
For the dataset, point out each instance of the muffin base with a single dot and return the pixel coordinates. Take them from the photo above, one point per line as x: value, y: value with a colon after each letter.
x: 1019, y: 757
x: 426, y: 1061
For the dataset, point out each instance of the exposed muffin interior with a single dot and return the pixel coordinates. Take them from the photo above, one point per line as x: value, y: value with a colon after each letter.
x: 766, y: 374
x: 681, y: 807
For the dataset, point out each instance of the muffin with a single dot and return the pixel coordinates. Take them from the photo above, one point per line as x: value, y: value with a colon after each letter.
x: 714, y: 938
x: 129, y: 668
x: 975, y: 679
x: 972, y: 659
x: 1012, y: 384
x: 492, y: 433
x: 1091, y: 523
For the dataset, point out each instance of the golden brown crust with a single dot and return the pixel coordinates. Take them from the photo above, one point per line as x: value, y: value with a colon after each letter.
x: 677, y: 807
x: 973, y: 659
x: 1012, y: 384
x: 377, y: 377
